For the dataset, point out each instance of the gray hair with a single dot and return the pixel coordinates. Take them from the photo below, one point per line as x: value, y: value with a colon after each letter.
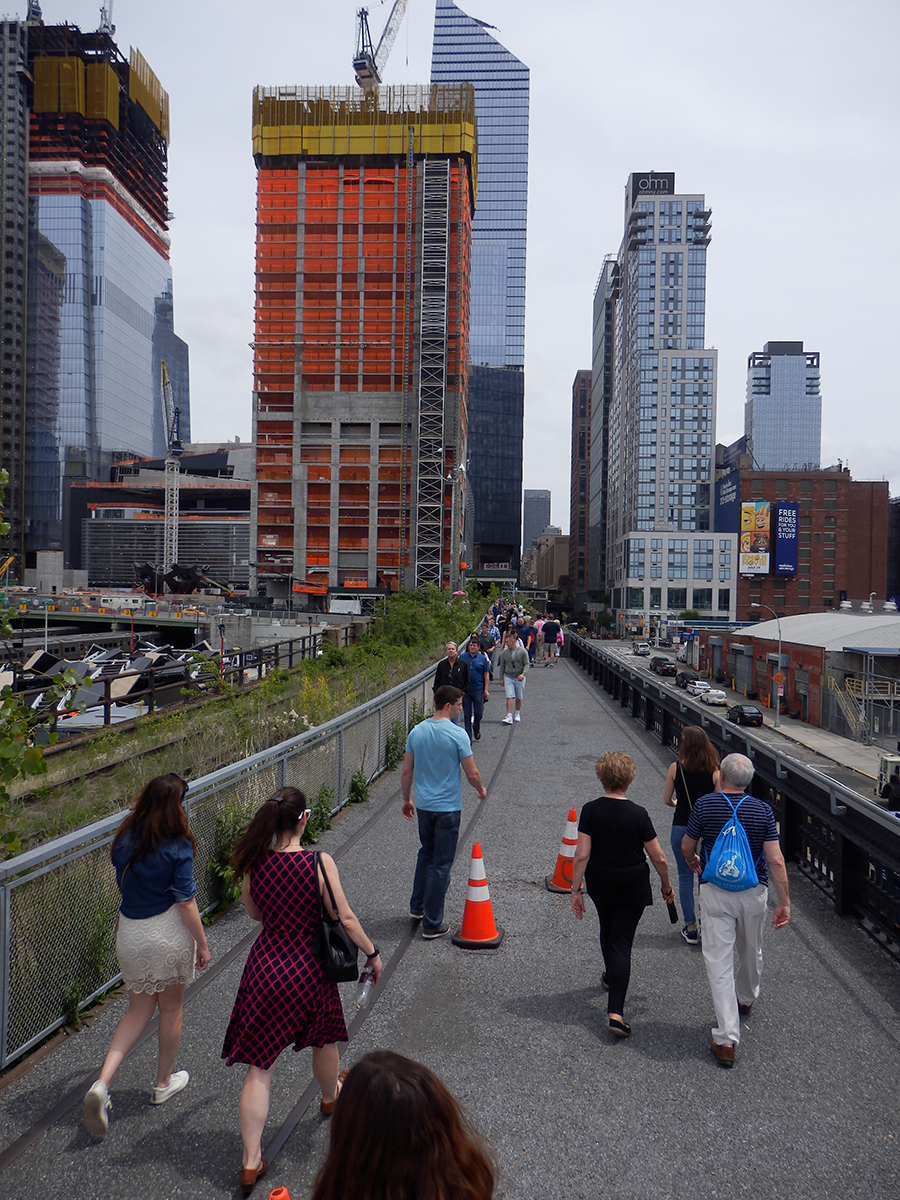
x: 736, y: 770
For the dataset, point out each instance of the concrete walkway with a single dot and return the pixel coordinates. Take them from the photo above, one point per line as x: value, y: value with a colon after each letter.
x: 519, y: 1033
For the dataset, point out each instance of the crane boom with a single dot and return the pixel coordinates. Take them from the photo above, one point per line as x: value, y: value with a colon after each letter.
x: 171, y: 418
x: 369, y: 63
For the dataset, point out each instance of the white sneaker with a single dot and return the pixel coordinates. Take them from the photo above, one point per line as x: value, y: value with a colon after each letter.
x: 177, y: 1083
x: 508, y: 719
x: 518, y: 716
x: 96, y: 1109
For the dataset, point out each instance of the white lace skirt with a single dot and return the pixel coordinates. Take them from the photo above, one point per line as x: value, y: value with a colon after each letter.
x: 156, y: 952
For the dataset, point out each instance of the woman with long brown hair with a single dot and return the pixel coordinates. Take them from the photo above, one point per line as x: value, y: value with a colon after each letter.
x: 159, y: 936
x: 695, y: 773
x: 283, y: 998
x: 398, y: 1134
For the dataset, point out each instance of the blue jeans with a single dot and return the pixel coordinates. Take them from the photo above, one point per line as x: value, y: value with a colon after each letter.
x: 473, y: 705
x: 685, y: 876
x: 438, y: 835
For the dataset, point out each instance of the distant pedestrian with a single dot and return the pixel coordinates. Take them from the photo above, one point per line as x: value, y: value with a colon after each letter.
x: 159, y: 937
x: 450, y: 671
x: 513, y: 666
x: 479, y: 687
x: 435, y: 751
x: 551, y: 633
x: 538, y: 627
x: 399, y: 1134
x: 615, y: 838
x: 733, y: 921
x: 694, y: 774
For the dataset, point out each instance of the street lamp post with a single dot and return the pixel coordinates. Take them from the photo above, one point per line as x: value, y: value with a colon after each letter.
x: 777, y: 684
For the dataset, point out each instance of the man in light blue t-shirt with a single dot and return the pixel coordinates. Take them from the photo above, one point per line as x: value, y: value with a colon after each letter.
x: 435, y: 751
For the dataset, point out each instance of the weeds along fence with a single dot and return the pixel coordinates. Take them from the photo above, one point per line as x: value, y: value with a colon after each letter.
x: 58, y: 902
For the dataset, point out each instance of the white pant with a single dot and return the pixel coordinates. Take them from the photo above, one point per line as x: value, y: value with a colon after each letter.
x: 732, y: 922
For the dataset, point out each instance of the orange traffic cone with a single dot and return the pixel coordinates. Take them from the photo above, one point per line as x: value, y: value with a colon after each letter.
x: 561, y: 879
x: 280, y: 1193
x: 479, y: 932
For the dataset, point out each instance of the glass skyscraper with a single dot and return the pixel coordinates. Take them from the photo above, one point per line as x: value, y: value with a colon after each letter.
x: 661, y: 552
x: 464, y: 51
x: 783, y: 413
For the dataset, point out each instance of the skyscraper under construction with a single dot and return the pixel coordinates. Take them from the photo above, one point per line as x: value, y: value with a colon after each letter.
x: 364, y: 218
x: 87, y: 287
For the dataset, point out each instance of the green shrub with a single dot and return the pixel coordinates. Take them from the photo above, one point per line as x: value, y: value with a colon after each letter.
x: 320, y: 817
x: 359, y: 788
x: 395, y: 745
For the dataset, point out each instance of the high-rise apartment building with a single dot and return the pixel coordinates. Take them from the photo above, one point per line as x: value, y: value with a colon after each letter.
x: 661, y: 552
x: 363, y: 247
x: 464, y: 51
x: 535, y: 516
x: 783, y: 412
x: 603, y: 341
x: 579, y: 487
x: 92, y: 302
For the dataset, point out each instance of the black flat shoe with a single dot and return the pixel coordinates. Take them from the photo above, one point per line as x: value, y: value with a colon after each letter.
x: 619, y: 1028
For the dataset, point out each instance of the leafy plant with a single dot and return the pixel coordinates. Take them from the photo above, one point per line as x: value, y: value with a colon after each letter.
x: 320, y: 817
x: 359, y: 787
x: 395, y: 745
x: 229, y: 824
x: 415, y: 714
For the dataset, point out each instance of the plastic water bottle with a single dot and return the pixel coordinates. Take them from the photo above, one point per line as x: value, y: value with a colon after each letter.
x: 364, y: 988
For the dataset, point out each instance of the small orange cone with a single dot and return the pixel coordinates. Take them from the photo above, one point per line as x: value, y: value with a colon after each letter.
x: 280, y: 1193
x: 479, y: 932
x: 561, y: 879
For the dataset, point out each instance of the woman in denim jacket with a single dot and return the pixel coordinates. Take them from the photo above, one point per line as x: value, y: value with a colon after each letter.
x: 159, y: 937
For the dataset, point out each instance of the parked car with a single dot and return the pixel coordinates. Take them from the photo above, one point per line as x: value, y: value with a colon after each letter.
x: 713, y: 696
x: 745, y: 714
x: 664, y: 641
x: 641, y: 648
x: 696, y: 686
x: 663, y: 666
x: 683, y: 678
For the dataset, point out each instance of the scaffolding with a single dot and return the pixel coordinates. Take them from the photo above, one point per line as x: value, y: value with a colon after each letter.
x: 432, y: 372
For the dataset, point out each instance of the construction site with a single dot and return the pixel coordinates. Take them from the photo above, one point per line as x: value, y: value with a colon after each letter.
x: 364, y: 216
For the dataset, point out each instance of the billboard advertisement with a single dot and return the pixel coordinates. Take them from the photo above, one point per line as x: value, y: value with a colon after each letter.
x: 652, y: 183
x: 756, y: 521
x: 786, y: 521
x: 728, y: 508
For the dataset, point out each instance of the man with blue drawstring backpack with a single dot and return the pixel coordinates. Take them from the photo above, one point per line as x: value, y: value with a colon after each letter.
x: 739, y: 848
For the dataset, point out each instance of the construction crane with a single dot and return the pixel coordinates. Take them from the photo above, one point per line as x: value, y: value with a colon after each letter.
x: 369, y: 62
x: 106, y: 11
x: 171, y: 420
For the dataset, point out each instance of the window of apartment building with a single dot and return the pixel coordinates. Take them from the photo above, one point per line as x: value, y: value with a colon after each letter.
x: 781, y: 487
x: 634, y: 597
x: 703, y: 559
x: 829, y: 522
x: 702, y: 599
x: 677, y: 599
x: 724, y: 599
x: 724, y: 574
x: 805, y: 504
x: 725, y: 543
x: 678, y: 558
x: 656, y: 597
x: 806, y: 486
x: 830, y: 486
x: 832, y: 503
x: 756, y: 489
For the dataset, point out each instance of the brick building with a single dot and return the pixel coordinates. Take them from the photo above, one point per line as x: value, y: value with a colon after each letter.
x: 842, y: 539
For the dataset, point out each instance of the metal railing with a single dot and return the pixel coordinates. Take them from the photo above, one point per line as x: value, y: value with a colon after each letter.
x: 58, y: 902
x: 846, y: 843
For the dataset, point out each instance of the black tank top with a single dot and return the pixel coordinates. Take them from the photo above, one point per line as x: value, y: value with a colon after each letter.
x: 699, y: 783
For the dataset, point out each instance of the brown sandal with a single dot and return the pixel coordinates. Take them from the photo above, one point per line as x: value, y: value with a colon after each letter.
x: 326, y: 1107
x: 249, y: 1175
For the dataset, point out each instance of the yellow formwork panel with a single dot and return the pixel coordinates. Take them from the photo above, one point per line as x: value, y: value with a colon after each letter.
x: 102, y: 86
x: 146, y: 90
x: 71, y: 85
x: 46, y: 85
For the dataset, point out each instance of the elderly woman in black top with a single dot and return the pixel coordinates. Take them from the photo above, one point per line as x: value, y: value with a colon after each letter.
x: 615, y: 838
x: 451, y: 671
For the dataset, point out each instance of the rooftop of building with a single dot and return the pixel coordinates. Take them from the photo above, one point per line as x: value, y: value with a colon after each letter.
x: 834, y: 630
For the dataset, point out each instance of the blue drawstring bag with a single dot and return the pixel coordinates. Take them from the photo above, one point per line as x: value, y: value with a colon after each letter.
x: 730, y: 864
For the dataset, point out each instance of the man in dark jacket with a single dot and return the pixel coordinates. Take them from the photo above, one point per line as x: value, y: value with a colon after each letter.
x: 451, y: 671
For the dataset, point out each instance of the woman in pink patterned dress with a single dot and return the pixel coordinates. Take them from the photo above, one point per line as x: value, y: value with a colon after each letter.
x: 283, y: 998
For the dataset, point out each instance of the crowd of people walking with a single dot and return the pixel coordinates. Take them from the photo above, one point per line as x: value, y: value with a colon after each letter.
x: 393, y: 1115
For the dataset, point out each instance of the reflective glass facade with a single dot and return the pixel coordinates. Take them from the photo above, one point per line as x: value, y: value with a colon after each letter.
x: 464, y: 51
x: 783, y: 413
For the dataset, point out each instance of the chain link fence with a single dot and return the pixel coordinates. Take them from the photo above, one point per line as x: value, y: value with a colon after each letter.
x: 58, y: 902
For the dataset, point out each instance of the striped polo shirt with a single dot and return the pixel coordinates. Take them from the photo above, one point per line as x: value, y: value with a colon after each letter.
x: 712, y: 812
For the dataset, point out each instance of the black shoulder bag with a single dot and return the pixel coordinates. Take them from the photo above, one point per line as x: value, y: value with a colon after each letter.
x: 331, y: 942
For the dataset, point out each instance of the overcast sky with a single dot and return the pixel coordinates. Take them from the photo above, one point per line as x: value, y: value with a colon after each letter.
x: 785, y: 115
